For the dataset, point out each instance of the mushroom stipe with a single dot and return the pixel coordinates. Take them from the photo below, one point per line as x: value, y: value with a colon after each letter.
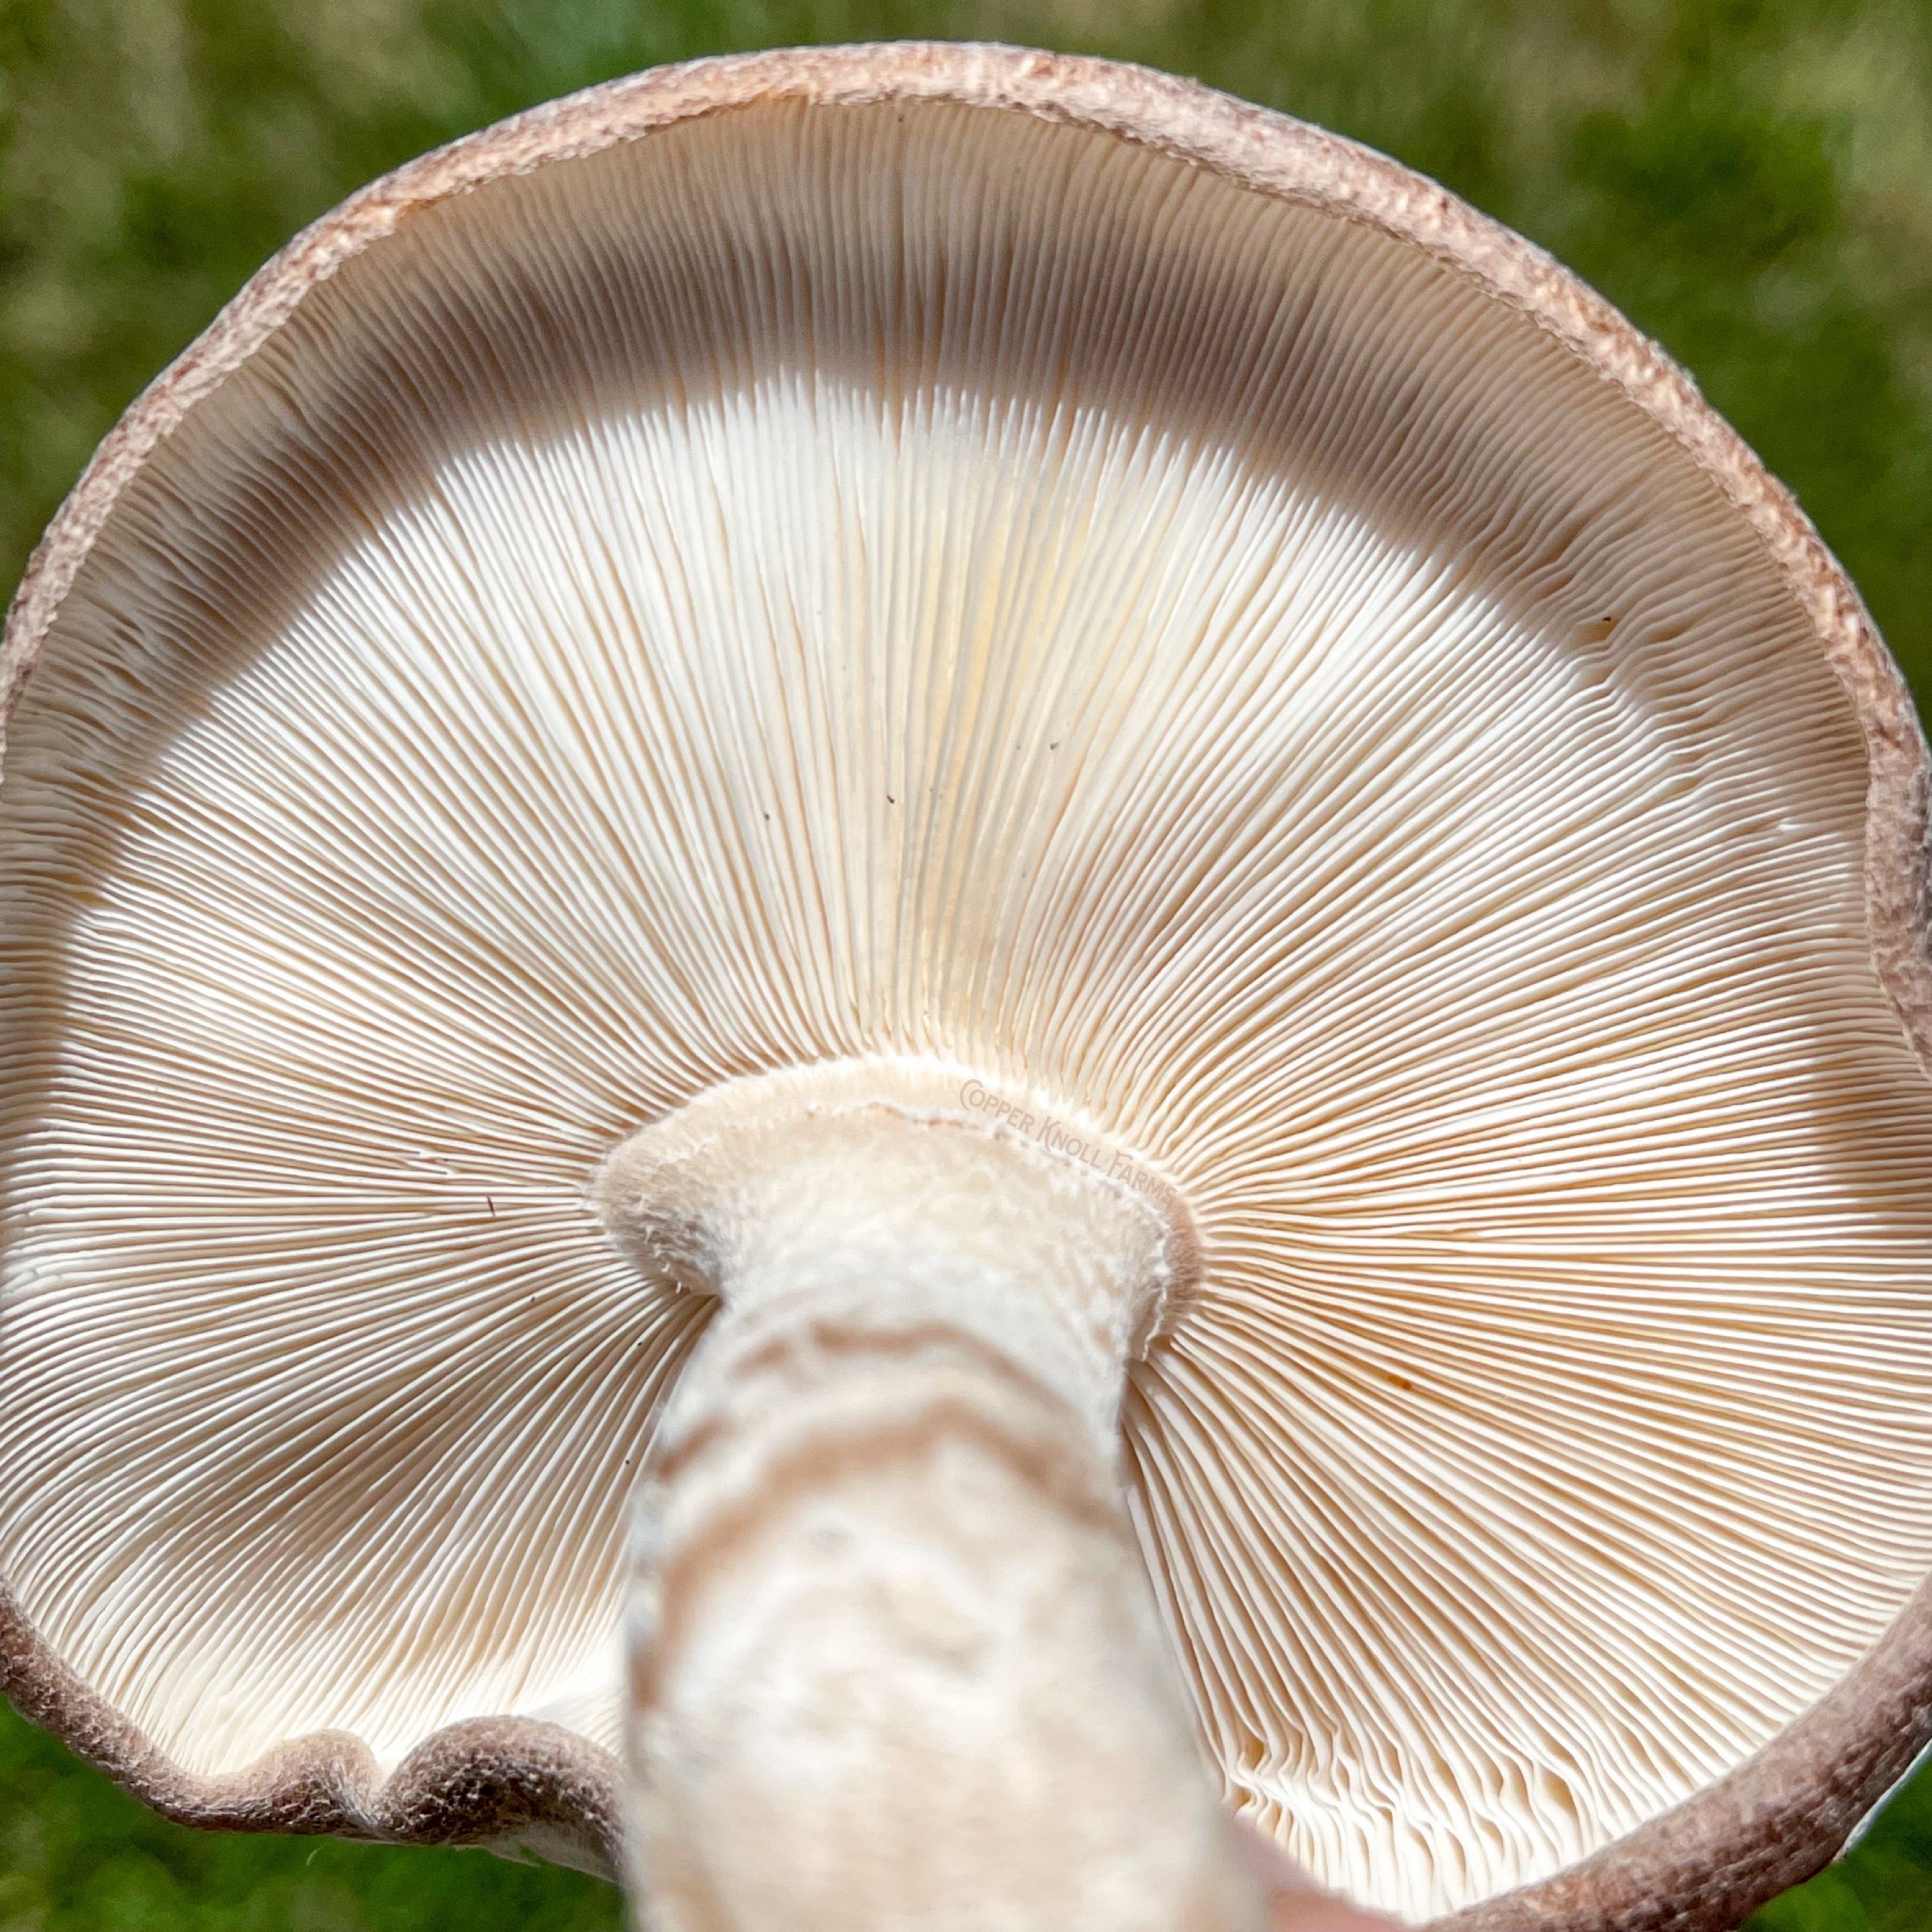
x: 1108, y: 876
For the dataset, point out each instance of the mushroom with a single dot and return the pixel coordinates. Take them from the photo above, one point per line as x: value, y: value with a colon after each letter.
x: 1098, y: 876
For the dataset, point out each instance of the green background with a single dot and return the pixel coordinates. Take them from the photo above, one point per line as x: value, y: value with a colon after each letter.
x: 1751, y: 182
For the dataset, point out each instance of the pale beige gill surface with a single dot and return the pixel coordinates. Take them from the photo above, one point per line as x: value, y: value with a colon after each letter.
x: 930, y: 582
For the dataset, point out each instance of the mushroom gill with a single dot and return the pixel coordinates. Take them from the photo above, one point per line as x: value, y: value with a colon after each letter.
x: 954, y: 589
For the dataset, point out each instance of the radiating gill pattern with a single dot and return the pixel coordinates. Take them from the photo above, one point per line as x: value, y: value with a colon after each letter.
x: 1006, y: 596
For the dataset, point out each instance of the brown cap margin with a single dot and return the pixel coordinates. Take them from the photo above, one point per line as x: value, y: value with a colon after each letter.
x: 509, y: 1780
x: 1701, y: 1867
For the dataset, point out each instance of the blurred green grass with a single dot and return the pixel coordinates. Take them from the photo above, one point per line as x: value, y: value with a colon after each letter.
x: 1750, y: 180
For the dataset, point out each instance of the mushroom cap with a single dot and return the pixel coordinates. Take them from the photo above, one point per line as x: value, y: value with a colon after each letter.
x: 949, y: 554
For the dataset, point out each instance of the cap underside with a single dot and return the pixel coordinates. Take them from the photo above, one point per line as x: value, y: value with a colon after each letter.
x: 824, y: 582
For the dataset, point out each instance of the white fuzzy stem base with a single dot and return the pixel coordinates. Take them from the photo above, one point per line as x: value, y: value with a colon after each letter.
x: 895, y: 1667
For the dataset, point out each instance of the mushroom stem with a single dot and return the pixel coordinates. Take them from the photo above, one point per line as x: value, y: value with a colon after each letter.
x: 894, y: 1659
